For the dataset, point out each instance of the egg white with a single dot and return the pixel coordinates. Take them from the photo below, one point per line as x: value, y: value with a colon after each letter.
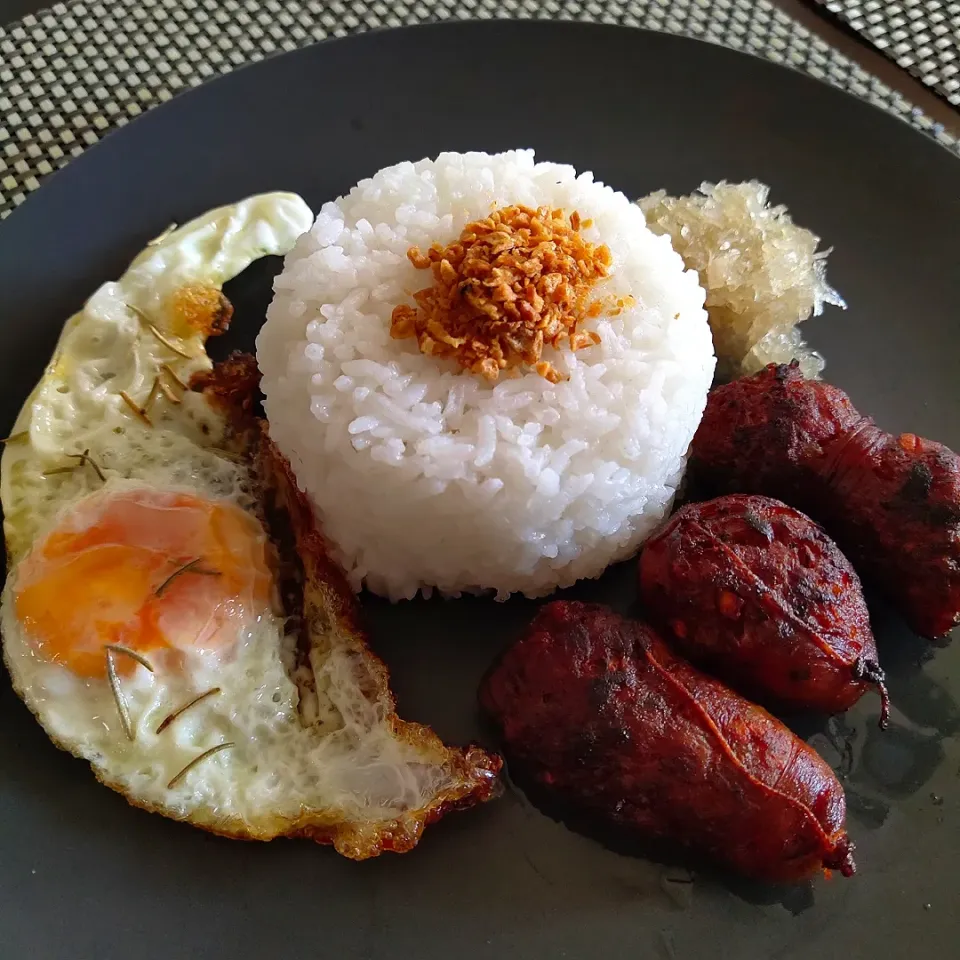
x: 344, y: 762
x: 106, y: 348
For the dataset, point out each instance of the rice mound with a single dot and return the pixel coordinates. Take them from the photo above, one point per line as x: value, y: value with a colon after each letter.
x: 424, y: 476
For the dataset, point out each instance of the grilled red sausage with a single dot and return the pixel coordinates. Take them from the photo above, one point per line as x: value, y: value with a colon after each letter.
x: 757, y: 594
x: 892, y: 503
x: 598, y: 710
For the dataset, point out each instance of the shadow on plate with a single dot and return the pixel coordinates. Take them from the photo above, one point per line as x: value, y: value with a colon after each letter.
x: 679, y: 871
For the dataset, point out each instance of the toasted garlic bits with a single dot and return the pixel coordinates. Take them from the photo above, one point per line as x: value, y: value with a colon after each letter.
x: 510, y: 285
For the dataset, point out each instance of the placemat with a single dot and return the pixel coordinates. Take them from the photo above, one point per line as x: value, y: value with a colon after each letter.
x: 74, y: 72
x: 922, y: 36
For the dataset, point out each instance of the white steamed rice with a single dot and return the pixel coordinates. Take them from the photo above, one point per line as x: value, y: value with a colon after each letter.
x: 426, y: 477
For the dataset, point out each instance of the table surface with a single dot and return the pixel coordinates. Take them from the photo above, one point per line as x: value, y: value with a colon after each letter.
x: 71, y: 73
x: 921, y: 36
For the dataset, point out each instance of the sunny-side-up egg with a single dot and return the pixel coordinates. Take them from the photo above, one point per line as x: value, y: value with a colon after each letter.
x: 140, y: 616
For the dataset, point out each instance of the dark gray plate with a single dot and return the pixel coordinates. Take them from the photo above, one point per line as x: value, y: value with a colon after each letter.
x: 84, y: 875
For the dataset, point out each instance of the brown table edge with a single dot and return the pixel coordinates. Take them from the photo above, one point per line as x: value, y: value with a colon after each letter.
x: 833, y: 31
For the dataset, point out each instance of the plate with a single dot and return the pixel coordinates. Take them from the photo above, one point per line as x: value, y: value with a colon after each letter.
x: 84, y: 875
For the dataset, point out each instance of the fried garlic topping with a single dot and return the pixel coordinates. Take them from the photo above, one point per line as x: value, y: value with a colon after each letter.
x: 512, y: 284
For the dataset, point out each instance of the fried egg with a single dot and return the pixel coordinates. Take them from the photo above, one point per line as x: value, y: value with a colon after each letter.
x: 141, y: 620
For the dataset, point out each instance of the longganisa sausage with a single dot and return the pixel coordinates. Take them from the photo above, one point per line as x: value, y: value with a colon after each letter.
x: 599, y: 711
x: 892, y: 502
x: 756, y: 593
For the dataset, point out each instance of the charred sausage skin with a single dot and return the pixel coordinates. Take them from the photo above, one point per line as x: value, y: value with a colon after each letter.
x: 892, y: 503
x: 757, y: 594
x: 598, y: 710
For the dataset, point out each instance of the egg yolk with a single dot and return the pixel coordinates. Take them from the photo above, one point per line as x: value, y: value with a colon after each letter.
x: 145, y: 569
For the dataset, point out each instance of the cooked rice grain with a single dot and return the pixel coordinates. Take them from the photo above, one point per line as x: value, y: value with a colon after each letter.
x: 428, y: 477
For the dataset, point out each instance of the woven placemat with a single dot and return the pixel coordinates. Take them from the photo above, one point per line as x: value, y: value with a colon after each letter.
x: 922, y: 36
x: 74, y: 72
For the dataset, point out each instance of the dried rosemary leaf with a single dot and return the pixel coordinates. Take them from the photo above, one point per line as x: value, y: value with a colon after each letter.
x: 203, y: 756
x: 181, y: 710
x: 118, y: 695
x: 169, y: 371
x: 82, y: 460
x: 192, y: 566
x: 145, y: 320
x: 132, y: 654
x: 138, y: 411
x: 86, y: 459
x: 167, y: 392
